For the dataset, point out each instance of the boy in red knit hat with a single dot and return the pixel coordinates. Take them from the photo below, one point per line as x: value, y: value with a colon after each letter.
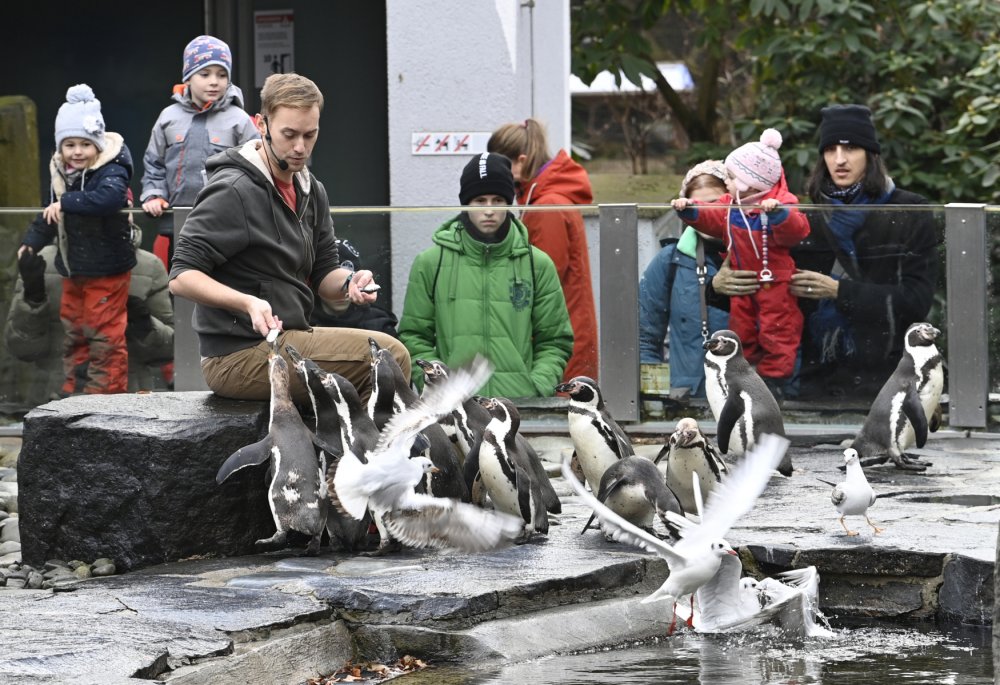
x: 759, y: 230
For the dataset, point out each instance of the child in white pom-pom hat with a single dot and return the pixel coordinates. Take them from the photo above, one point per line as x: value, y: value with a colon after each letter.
x: 91, y: 170
x: 759, y: 230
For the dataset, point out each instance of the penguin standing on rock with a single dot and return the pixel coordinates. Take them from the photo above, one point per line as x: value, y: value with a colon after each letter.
x: 391, y: 395
x: 297, y: 493
x: 689, y: 451
x: 597, y: 439
x: 905, y: 407
x: 341, y: 421
x: 634, y: 489
x: 743, y: 407
x: 511, y: 471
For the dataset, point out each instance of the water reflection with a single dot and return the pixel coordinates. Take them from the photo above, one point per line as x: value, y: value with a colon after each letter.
x: 880, y: 655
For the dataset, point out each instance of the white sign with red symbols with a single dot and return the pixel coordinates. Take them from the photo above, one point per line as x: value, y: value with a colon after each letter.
x: 448, y: 142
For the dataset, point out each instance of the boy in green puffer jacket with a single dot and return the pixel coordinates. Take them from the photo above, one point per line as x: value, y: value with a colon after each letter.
x: 482, y: 288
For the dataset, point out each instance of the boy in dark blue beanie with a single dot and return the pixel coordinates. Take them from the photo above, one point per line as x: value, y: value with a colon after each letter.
x: 484, y: 289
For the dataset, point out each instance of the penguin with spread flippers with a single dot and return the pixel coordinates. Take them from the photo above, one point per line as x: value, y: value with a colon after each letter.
x: 743, y: 407
x: 297, y: 492
x: 341, y: 421
x: 908, y: 404
x: 688, y: 451
x: 634, y: 489
x: 598, y: 440
x: 392, y: 394
x: 511, y: 471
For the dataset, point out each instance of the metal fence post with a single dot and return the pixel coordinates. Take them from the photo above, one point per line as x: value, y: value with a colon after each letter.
x: 968, y: 337
x: 619, y: 285
x: 187, y: 358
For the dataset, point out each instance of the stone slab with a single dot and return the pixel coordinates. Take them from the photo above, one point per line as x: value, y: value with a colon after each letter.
x: 132, y: 477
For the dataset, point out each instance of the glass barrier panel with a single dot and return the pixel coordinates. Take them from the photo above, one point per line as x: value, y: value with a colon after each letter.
x: 388, y: 240
x: 822, y: 354
x: 993, y: 295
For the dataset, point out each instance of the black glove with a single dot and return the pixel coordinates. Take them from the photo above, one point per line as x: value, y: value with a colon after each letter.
x: 32, y: 269
x: 140, y: 321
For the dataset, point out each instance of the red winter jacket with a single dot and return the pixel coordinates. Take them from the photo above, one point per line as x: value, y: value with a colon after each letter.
x: 786, y: 228
x: 562, y: 237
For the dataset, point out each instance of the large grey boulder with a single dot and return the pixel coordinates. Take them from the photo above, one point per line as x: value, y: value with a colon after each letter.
x: 132, y: 477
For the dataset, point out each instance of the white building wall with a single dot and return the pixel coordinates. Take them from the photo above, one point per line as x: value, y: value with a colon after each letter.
x: 464, y: 67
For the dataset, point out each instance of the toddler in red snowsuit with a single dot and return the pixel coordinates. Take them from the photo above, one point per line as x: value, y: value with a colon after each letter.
x: 768, y: 321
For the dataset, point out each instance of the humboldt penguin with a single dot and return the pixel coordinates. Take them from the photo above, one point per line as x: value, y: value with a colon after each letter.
x: 385, y: 483
x: 597, y: 439
x: 688, y: 451
x: 341, y: 421
x: 743, y: 407
x: 905, y: 407
x: 391, y: 394
x: 297, y: 493
x: 511, y: 471
x: 633, y: 488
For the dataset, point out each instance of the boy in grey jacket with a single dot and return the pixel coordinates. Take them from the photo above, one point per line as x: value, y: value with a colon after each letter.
x: 206, y: 117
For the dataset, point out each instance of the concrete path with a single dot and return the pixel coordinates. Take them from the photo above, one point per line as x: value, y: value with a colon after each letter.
x: 275, y: 618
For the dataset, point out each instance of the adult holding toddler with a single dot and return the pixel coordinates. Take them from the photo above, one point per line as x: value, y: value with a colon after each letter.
x: 765, y: 315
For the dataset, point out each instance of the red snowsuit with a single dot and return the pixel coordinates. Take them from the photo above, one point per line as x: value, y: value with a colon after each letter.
x: 769, y: 321
x: 562, y: 237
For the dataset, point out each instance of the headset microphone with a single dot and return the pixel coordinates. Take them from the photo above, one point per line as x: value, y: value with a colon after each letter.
x: 282, y: 164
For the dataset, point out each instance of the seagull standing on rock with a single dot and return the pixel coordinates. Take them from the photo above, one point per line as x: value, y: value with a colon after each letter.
x: 854, y: 495
x: 695, y: 560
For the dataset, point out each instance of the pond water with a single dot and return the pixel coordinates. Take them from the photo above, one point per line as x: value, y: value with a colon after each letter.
x: 882, y: 655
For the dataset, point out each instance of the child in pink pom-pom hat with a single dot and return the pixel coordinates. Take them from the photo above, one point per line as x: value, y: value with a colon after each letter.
x: 759, y: 229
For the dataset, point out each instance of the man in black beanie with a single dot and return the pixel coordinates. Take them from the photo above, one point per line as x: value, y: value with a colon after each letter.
x: 864, y: 275
x: 483, y: 288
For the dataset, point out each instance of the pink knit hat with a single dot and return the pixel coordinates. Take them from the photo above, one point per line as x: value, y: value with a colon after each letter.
x: 756, y: 166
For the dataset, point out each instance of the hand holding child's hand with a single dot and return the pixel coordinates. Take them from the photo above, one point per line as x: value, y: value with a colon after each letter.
x: 769, y: 205
x: 680, y: 204
x: 52, y: 212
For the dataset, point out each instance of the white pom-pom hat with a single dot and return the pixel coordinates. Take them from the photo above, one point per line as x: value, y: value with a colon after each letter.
x: 756, y: 166
x: 80, y: 117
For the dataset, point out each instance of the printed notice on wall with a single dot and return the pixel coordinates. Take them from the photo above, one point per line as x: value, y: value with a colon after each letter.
x: 274, y: 43
x: 448, y: 142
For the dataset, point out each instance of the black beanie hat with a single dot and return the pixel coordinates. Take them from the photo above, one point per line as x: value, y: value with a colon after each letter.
x: 487, y: 174
x: 848, y: 125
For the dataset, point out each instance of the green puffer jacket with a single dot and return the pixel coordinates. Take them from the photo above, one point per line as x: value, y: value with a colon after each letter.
x: 465, y: 297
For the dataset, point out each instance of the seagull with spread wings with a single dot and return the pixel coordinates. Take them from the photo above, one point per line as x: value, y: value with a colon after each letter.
x: 695, y: 559
x: 385, y: 483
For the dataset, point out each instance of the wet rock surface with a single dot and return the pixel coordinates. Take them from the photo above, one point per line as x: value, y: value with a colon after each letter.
x: 229, y: 619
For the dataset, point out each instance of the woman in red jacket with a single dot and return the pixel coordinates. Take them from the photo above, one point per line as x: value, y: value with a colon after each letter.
x: 545, y: 180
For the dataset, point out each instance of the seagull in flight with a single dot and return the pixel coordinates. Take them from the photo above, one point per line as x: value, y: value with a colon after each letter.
x: 696, y: 557
x: 385, y: 483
